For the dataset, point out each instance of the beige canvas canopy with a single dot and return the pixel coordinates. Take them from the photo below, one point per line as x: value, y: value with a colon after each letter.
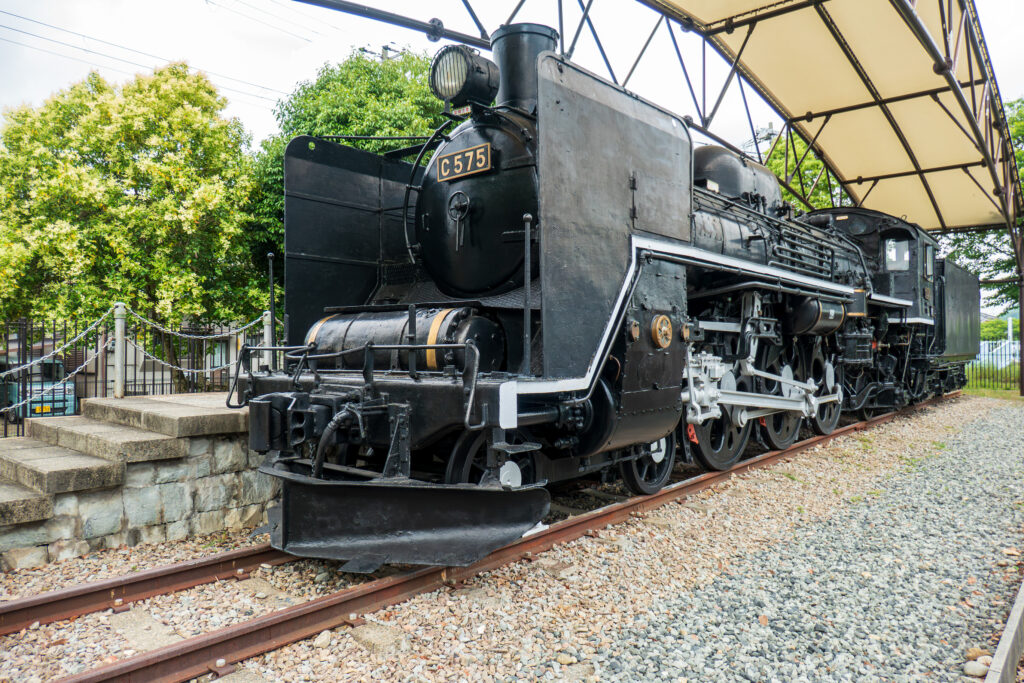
x: 898, y: 97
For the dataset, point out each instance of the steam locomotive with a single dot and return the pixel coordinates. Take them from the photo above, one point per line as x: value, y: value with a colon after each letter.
x: 568, y: 287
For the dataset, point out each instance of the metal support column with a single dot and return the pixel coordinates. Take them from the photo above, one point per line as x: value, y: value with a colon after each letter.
x: 1020, y: 330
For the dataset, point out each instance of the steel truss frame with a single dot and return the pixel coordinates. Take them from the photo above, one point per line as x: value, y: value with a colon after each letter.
x: 986, y: 128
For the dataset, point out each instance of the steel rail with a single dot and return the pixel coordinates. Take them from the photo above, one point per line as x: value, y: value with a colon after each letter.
x: 217, y: 651
x: 118, y: 592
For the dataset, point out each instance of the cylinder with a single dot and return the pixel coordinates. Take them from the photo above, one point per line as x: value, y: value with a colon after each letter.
x: 351, y: 331
x: 814, y: 317
x: 515, y: 48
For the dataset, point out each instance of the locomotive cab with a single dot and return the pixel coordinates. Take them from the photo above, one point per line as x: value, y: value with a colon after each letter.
x: 901, y: 256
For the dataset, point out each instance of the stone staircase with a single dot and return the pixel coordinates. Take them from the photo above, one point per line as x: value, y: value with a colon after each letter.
x: 130, y: 444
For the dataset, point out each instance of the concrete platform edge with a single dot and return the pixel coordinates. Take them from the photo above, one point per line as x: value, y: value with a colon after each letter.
x: 1011, y: 645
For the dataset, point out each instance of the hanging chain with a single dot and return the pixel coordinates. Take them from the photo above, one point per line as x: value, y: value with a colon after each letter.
x: 192, y: 371
x: 51, y: 354
x: 53, y: 387
x: 184, y: 335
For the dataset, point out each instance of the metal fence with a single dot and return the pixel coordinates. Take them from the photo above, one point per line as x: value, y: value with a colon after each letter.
x: 48, y: 367
x: 996, y: 367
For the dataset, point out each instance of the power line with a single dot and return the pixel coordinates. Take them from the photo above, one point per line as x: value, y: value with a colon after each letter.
x: 120, y: 71
x: 58, y: 54
x: 297, y: 10
x: 138, y: 52
x: 258, y: 21
x: 121, y: 59
x: 278, y: 17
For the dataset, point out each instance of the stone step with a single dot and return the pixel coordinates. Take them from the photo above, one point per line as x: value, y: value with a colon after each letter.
x: 114, y: 442
x: 20, y: 504
x: 53, y: 469
x: 174, y: 414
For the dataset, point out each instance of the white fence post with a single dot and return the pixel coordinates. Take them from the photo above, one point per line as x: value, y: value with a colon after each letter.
x: 268, y: 338
x: 119, y: 355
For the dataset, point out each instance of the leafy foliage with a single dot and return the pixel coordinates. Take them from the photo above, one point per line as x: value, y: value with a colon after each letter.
x: 783, y: 162
x: 995, y: 330
x: 127, y: 193
x: 360, y: 96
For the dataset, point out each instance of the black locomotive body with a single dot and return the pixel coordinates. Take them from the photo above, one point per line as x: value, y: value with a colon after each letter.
x: 568, y: 287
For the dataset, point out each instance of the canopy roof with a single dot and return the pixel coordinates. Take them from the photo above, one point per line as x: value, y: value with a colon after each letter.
x: 897, y: 96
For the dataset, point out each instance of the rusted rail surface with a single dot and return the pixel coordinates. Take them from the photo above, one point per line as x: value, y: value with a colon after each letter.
x: 218, y: 650
x: 120, y: 591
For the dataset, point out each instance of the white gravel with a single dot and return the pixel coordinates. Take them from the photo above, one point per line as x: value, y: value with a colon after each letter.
x: 896, y: 587
x: 105, y: 564
x: 572, y: 612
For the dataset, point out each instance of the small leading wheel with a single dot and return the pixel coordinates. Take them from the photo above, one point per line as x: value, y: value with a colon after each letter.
x: 780, y: 430
x: 823, y: 373
x: 467, y: 463
x: 720, y: 442
x: 649, y: 471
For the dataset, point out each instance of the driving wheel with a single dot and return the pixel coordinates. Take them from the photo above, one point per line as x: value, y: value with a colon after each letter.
x: 780, y: 430
x: 719, y: 443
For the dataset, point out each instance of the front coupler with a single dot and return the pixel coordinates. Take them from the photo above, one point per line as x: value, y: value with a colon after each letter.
x: 372, y: 517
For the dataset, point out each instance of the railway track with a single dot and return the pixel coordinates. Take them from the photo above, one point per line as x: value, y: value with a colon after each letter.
x: 119, y: 592
x: 218, y: 651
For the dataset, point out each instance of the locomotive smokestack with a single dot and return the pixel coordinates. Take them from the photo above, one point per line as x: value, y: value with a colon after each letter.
x: 515, y: 48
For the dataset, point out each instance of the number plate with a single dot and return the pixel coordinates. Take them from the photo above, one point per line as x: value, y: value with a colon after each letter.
x: 464, y: 162
x: 42, y: 409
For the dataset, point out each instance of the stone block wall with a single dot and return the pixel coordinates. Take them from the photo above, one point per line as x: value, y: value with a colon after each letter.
x: 215, y: 487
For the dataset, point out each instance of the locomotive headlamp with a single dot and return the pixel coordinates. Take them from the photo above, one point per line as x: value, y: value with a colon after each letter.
x: 459, y: 75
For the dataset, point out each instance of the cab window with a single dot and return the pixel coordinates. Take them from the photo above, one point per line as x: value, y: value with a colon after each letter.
x: 897, y: 255
x: 929, y: 261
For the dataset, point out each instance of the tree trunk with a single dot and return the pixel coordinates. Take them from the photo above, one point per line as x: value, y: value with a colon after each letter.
x: 178, y: 380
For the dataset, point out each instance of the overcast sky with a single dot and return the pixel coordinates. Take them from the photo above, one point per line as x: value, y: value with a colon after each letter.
x: 256, y: 51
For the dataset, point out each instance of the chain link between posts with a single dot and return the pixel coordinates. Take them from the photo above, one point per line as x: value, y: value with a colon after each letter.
x: 184, y: 335
x: 50, y: 389
x: 112, y: 344
x: 191, y: 371
x: 51, y: 354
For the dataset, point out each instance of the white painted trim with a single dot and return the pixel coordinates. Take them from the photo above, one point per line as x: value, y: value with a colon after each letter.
x: 546, y: 386
x: 883, y: 299
x: 732, y: 262
x: 508, y: 405
x: 923, y: 321
x: 718, y: 326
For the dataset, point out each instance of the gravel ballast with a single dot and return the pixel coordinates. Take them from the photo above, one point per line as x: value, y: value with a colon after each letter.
x: 896, y: 587
x: 605, y: 608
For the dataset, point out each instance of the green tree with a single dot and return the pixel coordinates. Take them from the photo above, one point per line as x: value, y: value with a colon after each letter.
x: 360, y: 96
x: 783, y: 163
x: 990, y: 254
x: 995, y: 330
x: 126, y: 193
